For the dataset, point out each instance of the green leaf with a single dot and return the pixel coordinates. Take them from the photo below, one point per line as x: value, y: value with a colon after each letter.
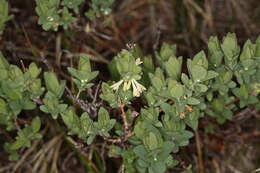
x: 140, y: 151
x: 185, y: 80
x: 4, y: 66
x: 167, y: 51
x: 114, y: 74
x: 3, y: 15
x: 218, y: 105
x: 86, y: 124
x: 257, y: 48
x: 198, y: 73
x: 177, y: 91
x: 36, y: 124
x: 34, y: 70
x: 11, y: 92
x: 156, y: 82
x: 43, y: 108
x: 84, y: 64
x: 28, y: 105
x: 211, y: 75
x: 3, y: 107
x: 148, y: 64
x: 103, y: 117
x: 248, y: 51
x: 90, y: 139
x: 139, y: 130
x: 193, y: 101
x: 201, y: 87
x: 17, y: 144
x: 200, y: 60
x: 215, y: 53
x: 52, y: 82
x: 157, y: 167
x: 151, y: 141
x: 231, y: 50
x: 173, y: 67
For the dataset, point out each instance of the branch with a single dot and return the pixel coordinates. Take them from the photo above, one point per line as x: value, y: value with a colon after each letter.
x: 86, y: 107
x: 119, y: 140
x: 199, y: 151
x: 123, y: 114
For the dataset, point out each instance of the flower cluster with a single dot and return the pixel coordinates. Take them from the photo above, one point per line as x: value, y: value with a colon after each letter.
x: 137, y: 87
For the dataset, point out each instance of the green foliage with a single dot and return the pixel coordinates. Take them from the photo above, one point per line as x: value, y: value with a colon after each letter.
x: 51, y: 98
x: 130, y: 71
x: 83, y: 74
x: 51, y: 16
x: 171, y: 104
x: 24, y: 138
x: 4, y: 17
x: 55, y: 13
x: 99, y: 8
x: 84, y: 126
x: 17, y: 90
x: 72, y: 4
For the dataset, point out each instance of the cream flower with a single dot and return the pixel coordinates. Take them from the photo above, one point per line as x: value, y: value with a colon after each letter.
x: 138, y: 88
x: 116, y: 85
x: 138, y: 61
x: 126, y: 85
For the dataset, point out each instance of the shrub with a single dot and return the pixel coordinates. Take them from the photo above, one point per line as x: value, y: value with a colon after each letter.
x: 171, y: 101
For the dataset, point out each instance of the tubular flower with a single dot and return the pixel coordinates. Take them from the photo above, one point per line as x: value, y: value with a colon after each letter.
x: 131, y: 80
x: 116, y: 85
x: 137, y: 87
x: 138, y: 61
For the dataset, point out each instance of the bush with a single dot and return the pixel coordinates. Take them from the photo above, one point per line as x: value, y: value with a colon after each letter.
x: 172, y: 102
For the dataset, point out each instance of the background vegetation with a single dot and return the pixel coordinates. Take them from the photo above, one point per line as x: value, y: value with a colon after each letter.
x: 231, y: 147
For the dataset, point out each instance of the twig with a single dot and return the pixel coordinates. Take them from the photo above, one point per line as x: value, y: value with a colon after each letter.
x: 83, y: 105
x: 96, y: 93
x: 24, y: 69
x: 17, y: 126
x: 58, y: 49
x: 134, y: 114
x: 29, y: 42
x: 45, y: 61
x: 27, y: 153
x: 257, y: 170
x: 38, y: 101
x: 119, y: 140
x: 76, y: 144
x: 96, y: 57
x: 199, y: 151
x: 158, y: 35
x: 55, y: 157
x: 77, y: 96
x: 8, y: 167
x: 152, y: 19
x: 79, y: 150
x: 123, y: 114
x: 216, y: 165
x: 206, y: 16
x: 121, y: 169
x: 68, y: 158
x: 248, y: 135
x: 102, y: 155
x: 233, y: 169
